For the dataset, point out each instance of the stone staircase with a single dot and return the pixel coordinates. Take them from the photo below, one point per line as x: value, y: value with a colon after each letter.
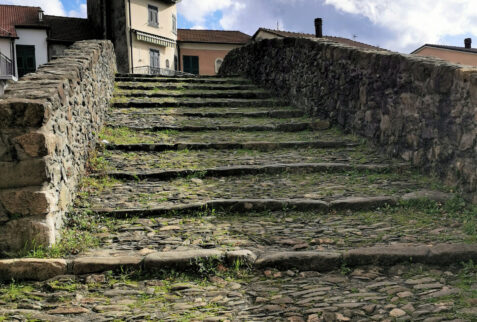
x: 216, y: 175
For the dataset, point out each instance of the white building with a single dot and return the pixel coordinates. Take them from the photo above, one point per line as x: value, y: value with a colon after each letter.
x: 28, y: 39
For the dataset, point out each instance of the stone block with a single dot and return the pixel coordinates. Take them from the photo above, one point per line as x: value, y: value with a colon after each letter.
x: 24, y: 233
x: 20, y: 112
x: 89, y: 265
x: 305, y: 261
x: 21, y: 174
x: 33, y: 145
x: 180, y: 259
x: 25, y: 202
x: 31, y: 269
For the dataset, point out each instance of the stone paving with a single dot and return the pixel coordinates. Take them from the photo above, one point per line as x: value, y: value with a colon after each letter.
x: 399, y: 293
x: 317, y: 164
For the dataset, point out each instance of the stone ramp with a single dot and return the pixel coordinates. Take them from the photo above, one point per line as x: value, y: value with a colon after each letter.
x: 199, y: 222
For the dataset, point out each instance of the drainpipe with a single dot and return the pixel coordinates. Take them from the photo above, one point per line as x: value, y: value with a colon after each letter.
x: 179, y: 57
x: 131, y: 38
x: 14, y: 64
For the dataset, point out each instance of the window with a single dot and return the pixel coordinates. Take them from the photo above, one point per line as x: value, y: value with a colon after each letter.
x: 174, y: 24
x: 176, y: 63
x: 155, y: 59
x: 153, y: 19
x: 218, y: 63
x: 167, y: 64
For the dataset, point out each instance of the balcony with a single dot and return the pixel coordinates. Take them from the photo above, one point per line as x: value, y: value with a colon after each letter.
x: 7, y: 69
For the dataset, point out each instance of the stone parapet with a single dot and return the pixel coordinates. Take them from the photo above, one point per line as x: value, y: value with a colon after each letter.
x: 49, y: 121
x: 421, y: 109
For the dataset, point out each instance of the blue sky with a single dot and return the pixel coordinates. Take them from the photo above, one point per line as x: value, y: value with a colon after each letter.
x: 401, y: 25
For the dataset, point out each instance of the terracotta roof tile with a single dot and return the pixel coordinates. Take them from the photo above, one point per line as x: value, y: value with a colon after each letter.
x: 304, y: 35
x: 11, y: 16
x: 212, y: 36
x: 66, y: 29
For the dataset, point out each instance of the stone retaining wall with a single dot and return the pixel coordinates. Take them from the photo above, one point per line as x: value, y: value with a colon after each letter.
x: 49, y: 122
x: 421, y: 109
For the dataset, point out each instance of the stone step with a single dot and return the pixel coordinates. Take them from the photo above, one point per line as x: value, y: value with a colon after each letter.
x: 284, y: 229
x: 199, y: 160
x: 255, y: 146
x: 183, y: 123
x: 285, y: 127
x: 251, y: 170
x: 233, y: 139
x: 181, y: 86
x: 144, y: 209
x: 196, y: 103
x: 281, y: 112
x: 407, y: 292
x: 198, y: 80
x: 193, y: 93
x: 317, y: 188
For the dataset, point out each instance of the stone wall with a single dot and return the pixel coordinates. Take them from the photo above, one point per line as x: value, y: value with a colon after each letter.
x: 49, y: 122
x: 421, y: 109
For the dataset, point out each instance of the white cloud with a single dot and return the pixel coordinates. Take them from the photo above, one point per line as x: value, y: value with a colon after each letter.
x: 415, y: 22
x: 51, y: 7
x: 82, y: 12
x: 244, y: 15
x: 196, y: 11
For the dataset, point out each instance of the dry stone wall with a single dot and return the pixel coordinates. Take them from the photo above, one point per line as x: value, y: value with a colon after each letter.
x: 49, y: 122
x: 421, y: 109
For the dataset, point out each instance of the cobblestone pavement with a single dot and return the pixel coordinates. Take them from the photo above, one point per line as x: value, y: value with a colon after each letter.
x: 312, y: 164
x: 400, y: 293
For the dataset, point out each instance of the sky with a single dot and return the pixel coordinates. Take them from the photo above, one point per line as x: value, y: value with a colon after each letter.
x: 400, y: 25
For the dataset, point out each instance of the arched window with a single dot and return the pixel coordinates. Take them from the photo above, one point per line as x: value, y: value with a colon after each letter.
x: 218, y: 63
x: 167, y: 64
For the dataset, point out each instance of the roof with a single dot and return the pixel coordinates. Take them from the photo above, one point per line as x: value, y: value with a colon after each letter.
x: 11, y: 16
x: 66, y: 29
x: 212, y: 36
x: 463, y: 49
x: 290, y: 34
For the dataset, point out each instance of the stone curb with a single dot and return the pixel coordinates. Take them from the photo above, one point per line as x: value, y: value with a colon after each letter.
x: 44, y: 269
x: 192, y: 86
x: 247, y: 205
x: 269, y: 114
x: 262, y: 146
x: 182, y: 80
x: 286, y: 127
x: 442, y: 254
x: 253, y: 169
x: 204, y: 94
x: 201, y: 103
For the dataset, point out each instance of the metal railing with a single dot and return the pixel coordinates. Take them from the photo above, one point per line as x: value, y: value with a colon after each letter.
x: 6, y: 66
x: 148, y: 70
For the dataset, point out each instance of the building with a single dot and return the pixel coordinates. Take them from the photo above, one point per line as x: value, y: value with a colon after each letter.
x: 23, y: 40
x: 28, y: 39
x: 64, y: 31
x: 202, y: 52
x: 144, y: 33
x: 460, y: 55
x: 264, y: 33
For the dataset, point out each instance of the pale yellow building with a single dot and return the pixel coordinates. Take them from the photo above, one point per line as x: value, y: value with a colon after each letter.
x: 460, y: 55
x: 144, y: 33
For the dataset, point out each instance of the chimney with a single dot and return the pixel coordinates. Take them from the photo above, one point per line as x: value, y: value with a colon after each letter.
x: 40, y: 15
x: 319, y: 27
x: 468, y: 43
